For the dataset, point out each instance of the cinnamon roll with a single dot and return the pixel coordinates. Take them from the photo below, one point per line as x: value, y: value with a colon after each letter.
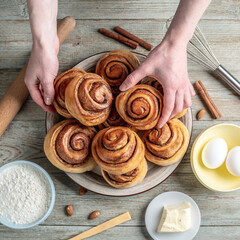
x: 154, y: 83
x: 89, y: 99
x: 128, y: 179
x: 67, y: 146
x: 167, y: 145
x: 60, y: 84
x: 140, y: 106
x: 117, y: 150
x: 115, y: 66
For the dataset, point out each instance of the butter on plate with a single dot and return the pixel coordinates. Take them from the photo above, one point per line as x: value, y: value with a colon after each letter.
x: 175, y: 218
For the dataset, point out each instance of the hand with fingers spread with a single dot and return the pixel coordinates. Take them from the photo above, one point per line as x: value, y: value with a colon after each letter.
x: 167, y: 63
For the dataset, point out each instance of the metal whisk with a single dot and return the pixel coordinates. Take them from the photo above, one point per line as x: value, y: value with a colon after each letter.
x: 199, y: 51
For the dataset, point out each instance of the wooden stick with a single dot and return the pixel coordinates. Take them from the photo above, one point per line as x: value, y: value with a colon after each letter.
x: 119, y: 38
x: 17, y: 93
x: 104, y: 226
x: 133, y: 37
x: 202, y: 91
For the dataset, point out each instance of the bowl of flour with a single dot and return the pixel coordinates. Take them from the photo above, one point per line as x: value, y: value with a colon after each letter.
x: 27, y: 194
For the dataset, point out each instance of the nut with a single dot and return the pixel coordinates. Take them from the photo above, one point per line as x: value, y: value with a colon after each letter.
x: 94, y: 215
x: 69, y: 210
x: 200, y: 114
x: 82, y: 191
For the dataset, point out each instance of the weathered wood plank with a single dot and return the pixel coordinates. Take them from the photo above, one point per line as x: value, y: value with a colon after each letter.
x: 121, y: 232
x: 127, y: 9
x: 16, y: 40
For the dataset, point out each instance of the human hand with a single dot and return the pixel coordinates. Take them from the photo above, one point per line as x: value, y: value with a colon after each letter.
x: 167, y: 63
x: 41, y: 72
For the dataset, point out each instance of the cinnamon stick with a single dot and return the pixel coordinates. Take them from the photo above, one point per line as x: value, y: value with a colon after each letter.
x: 127, y: 34
x: 119, y: 38
x: 202, y: 91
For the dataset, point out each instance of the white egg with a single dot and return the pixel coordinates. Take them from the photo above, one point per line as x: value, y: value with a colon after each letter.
x: 233, y: 161
x: 214, y: 153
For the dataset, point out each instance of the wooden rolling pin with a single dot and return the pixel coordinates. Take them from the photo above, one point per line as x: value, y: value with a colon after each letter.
x: 17, y: 93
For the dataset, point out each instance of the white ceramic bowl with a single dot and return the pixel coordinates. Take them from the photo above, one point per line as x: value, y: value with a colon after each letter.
x: 52, y: 201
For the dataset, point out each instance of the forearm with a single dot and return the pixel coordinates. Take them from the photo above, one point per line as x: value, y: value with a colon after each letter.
x: 185, y: 20
x: 43, y: 20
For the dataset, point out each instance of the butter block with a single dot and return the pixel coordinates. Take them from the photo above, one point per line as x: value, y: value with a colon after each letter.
x: 175, y: 218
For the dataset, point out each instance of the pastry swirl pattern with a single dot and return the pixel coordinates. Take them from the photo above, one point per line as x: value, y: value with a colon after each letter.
x: 167, y: 145
x: 67, y: 145
x: 140, y: 106
x: 115, y: 66
x: 128, y: 179
x: 117, y: 150
x: 60, y: 85
x: 89, y: 99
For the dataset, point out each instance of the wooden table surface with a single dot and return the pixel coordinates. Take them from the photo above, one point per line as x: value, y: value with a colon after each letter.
x: 24, y: 137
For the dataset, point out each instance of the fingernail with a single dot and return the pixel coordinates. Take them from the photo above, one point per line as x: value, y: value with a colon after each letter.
x: 48, y: 101
x: 123, y: 87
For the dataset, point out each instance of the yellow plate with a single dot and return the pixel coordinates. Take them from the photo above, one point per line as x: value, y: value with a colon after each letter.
x: 218, y: 179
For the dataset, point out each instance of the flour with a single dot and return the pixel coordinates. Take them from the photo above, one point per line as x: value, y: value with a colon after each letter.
x: 24, y: 194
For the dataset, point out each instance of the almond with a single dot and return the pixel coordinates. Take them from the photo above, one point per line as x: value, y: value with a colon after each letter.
x: 82, y: 191
x: 69, y: 210
x: 94, y: 215
x: 200, y: 114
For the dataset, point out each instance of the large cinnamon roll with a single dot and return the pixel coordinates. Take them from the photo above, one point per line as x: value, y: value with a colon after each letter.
x: 117, y: 150
x: 60, y: 84
x: 115, y: 66
x: 128, y: 179
x: 89, y: 99
x: 167, y: 145
x: 140, y: 106
x: 67, y: 146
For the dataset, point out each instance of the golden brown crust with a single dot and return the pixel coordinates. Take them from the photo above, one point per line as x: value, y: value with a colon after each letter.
x: 154, y: 83
x: 89, y: 99
x: 128, y: 179
x: 167, y: 145
x: 117, y: 150
x: 67, y: 146
x: 140, y: 106
x: 115, y: 66
x: 60, y: 84
x: 182, y: 113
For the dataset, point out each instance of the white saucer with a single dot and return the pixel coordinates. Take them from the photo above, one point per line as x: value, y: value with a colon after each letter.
x: 154, y: 214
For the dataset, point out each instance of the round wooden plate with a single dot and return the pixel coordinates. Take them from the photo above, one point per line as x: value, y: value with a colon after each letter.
x: 93, y: 180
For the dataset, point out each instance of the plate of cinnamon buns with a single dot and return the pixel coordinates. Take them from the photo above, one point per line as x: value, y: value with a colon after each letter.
x: 106, y: 140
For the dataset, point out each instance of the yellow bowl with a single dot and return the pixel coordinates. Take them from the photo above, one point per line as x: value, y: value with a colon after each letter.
x: 218, y: 179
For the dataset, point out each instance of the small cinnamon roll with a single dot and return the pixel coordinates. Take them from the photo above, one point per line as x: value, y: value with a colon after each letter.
x: 140, y: 106
x: 167, y: 145
x: 67, y: 146
x: 89, y: 99
x: 117, y: 150
x: 60, y: 84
